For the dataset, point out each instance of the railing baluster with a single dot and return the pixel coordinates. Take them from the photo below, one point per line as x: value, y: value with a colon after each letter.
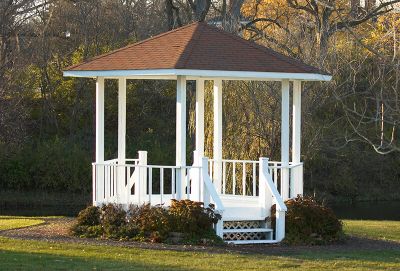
x: 173, y: 182
x: 223, y: 177
x: 161, y: 185
x: 200, y: 183
x: 244, y: 179
x: 211, y: 170
x: 234, y: 178
x: 94, y: 191
x: 104, y: 182
x: 188, y: 186
x: 254, y: 179
x: 150, y: 186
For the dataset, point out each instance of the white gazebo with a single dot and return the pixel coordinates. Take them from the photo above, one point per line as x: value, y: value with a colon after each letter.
x: 242, y: 191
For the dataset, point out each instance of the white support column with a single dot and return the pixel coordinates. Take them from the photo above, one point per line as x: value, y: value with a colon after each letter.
x: 200, y: 117
x: 265, y: 195
x: 180, y: 134
x: 98, y: 185
x: 121, y: 138
x: 285, y: 133
x: 142, y: 176
x: 297, y: 180
x: 217, y: 170
x: 280, y: 225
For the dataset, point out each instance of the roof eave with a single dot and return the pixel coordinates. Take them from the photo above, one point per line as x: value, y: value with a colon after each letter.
x: 172, y: 73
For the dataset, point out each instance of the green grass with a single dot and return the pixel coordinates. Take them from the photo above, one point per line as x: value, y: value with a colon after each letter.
x: 385, y: 230
x: 41, y: 255
x: 38, y: 255
x: 7, y: 223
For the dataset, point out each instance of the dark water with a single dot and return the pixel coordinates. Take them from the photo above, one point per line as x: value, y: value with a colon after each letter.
x: 374, y: 210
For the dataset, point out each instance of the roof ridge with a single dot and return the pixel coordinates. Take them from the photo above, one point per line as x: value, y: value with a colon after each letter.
x: 132, y: 45
x: 195, y: 44
x: 269, y: 50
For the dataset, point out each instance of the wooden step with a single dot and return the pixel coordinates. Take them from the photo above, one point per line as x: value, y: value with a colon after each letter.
x: 247, y: 230
x: 250, y: 242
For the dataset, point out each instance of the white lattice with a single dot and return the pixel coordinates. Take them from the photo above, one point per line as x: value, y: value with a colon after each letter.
x: 244, y: 236
x: 234, y: 225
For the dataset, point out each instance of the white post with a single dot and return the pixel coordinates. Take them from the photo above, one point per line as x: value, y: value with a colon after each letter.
x: 141, y: 186
x: 297, y: 180
x: 265, y: 196
x: 285, y: 139
x: 200, y: 117
x: 121, y: 139
x: 195, y: 176
x: 217, y: 170
x: 204, y: 169
x: 280, y: 225
x: 98, y: 193
x: 180, y: 135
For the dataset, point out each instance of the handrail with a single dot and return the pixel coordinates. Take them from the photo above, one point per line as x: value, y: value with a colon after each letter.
x: 276, y: 164
x: 210, y: 186
x: 147, y: 166
x: 271, y: 186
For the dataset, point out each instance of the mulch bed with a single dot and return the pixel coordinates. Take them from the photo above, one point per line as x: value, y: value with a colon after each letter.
x: 57, y: 230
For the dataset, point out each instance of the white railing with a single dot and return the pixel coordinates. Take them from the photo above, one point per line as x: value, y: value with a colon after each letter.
x: 139, y: 183
x: 268, y: 187
x: 237, y: 177
x: 240, y: 177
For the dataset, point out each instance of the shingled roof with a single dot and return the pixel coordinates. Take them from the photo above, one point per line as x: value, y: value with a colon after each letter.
x: 197, y: 46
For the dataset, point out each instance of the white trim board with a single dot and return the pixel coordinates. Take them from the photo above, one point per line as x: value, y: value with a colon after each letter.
x: 170, y: 74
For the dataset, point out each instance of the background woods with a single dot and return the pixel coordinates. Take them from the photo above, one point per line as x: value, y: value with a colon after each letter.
x: 350, y: 126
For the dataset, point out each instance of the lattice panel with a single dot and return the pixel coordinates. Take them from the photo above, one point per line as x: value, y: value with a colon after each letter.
x: 244, y: 236
x: 234, y: 225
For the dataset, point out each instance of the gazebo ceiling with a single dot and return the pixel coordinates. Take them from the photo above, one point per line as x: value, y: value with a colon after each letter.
x: 197, y: 50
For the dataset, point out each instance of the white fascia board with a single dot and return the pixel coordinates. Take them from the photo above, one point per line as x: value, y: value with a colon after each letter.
x: 226, y: 75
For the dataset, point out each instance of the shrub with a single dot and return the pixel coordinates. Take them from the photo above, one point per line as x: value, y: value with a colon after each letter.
x: 113, y: 219
x: 89, y: 216
x: 88, y: 223
x: 151, y: 221
x: 191, y: 217
x: 309, y: 222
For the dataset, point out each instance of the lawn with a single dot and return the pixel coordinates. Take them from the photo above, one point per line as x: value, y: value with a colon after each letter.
x: 7, y: 223
x: 384, y: 230
x: 41, y: 255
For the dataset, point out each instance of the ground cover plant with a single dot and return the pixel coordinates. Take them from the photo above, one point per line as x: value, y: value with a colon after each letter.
x: 184, y: 221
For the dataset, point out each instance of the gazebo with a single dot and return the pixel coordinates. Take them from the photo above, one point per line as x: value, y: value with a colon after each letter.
x: 242, y: 191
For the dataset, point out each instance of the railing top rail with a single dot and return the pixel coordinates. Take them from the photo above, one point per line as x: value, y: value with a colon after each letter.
x: 233, y: 160
x: 146, y: 166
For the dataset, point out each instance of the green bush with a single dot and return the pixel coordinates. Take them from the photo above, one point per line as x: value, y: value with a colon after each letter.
x: 191, y: 217
x: 309, y: 222
x: 89, y: 216
x: 149, y: 223
x: 113, y: 219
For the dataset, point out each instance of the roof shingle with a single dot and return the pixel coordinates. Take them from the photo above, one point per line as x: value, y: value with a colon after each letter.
x: 197, y: 46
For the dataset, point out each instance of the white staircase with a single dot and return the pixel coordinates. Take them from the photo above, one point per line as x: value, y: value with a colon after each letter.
x: 244, y: 231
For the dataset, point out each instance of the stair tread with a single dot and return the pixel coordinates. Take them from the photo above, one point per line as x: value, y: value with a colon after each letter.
x: 247, y: 230
x: 249, y: 242
x: 243, y: 218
